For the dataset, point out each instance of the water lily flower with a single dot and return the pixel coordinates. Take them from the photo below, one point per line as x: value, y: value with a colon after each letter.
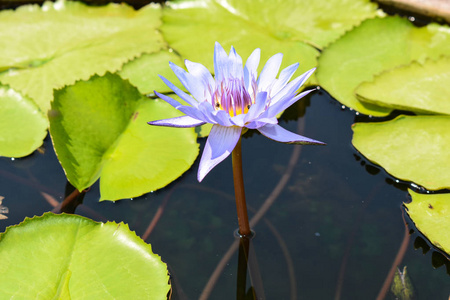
x: 235, y: 100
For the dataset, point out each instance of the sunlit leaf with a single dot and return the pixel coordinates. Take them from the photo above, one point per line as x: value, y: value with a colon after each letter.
x: 192, y: 27
x: 22, y: 125
x: 417, y: 87
x: 49, y: 47
x: 72, y: 257
x: 410, y: 148
x: 375, y: 46
x: 143, y: 72
x: 431, y: 215
x: 317, y: 23
x: 99, y: 129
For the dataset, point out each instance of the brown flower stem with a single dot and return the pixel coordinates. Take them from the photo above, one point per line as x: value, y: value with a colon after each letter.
x: 397, y: 261
x: 71, y: 202
x: 72, y: 199
x: 239, y: 192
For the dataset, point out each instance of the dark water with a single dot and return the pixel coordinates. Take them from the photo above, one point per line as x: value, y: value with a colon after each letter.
x: 338, y: 217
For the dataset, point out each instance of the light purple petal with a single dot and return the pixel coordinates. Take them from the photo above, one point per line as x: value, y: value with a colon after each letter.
x: 235, y: 65
x: 220, y: 144
x: 200, y: 72
x: 179, y: 92
x: 222, y: 118
x: 257, y: 108
x: 292, y: 86
x: 169, y: 100
x: 239, y: 120
x: 269, y: 72
x: 207, y: 110
x: 261, y: 122
x: 220, y: 63
x: 182, y: 122
x: 194, y: 113
x: 250, y: 69
x: 284, y: 103
x: 285, y: 76
x: 198, y: 89
x: 279, y: 134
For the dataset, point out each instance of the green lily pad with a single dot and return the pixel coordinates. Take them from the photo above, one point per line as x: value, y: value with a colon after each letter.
x: 99, y: 129
x: 411, y: 148
x: 376, y: 45
x: 143, y: 72
x: 22, y: 125
x: 431, y: 214
x: 53, y: 46
x: 192, y: 27
x: 68, y: 256
x: 423, y: 88
x: 238, y: 23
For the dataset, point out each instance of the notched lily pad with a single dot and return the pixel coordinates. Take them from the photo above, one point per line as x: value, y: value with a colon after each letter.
x: 431, y: 215
x: 143, y: 72
x: 46, y: 48
x: 373, y: 47
x: 99, y: 129
x: 22, y: 126
x: 69, y: 256
x: 423, y: 88
x: 234, y: 23
x: 411, y: 148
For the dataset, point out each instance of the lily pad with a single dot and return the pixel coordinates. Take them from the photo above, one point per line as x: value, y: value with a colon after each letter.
x: 68, y: 256
x: 22, y: 125
x: 423, y: 88
x: 239, y: 22
x: 143, y: 72
x: 99, y: 129
x: 431, y: 214
x: 192, y: 27
x: 410, y: 148
x: 373, y: 47
x: 48, y: 47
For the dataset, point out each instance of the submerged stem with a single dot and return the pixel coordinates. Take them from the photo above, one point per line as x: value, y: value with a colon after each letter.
x: 239, y: 192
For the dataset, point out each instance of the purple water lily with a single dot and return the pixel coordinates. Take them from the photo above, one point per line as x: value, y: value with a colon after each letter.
x: 235, y: 99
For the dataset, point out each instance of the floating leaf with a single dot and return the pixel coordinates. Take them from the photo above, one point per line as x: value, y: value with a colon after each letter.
x: 417, y: 87
x: 431, y: 214
x: 143, y: 72
x: 68, y: 256
x: 49, y: 47
x: 411, y: 148
x: 192, y: 27
x: 401, y: 285
x: 238, y: 23
x: 376, y: 45
x: 99, y: 129
x: 22, y: 125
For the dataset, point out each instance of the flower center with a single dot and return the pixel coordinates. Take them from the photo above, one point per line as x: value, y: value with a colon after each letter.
x: 232, y: 97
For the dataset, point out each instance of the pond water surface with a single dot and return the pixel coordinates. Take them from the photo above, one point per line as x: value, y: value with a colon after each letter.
x: 337, y: 222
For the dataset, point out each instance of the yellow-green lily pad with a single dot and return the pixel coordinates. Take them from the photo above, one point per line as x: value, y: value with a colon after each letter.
x: 99, y: 129
x: 144, y: 71
x: 431, y: 214
x: 375, y: 46
x: 72, y: 257
x: 23, y: 127
x: 423, y: 88
x: 48, y: 47
x: 192, y: 27
x: 410, y: 148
